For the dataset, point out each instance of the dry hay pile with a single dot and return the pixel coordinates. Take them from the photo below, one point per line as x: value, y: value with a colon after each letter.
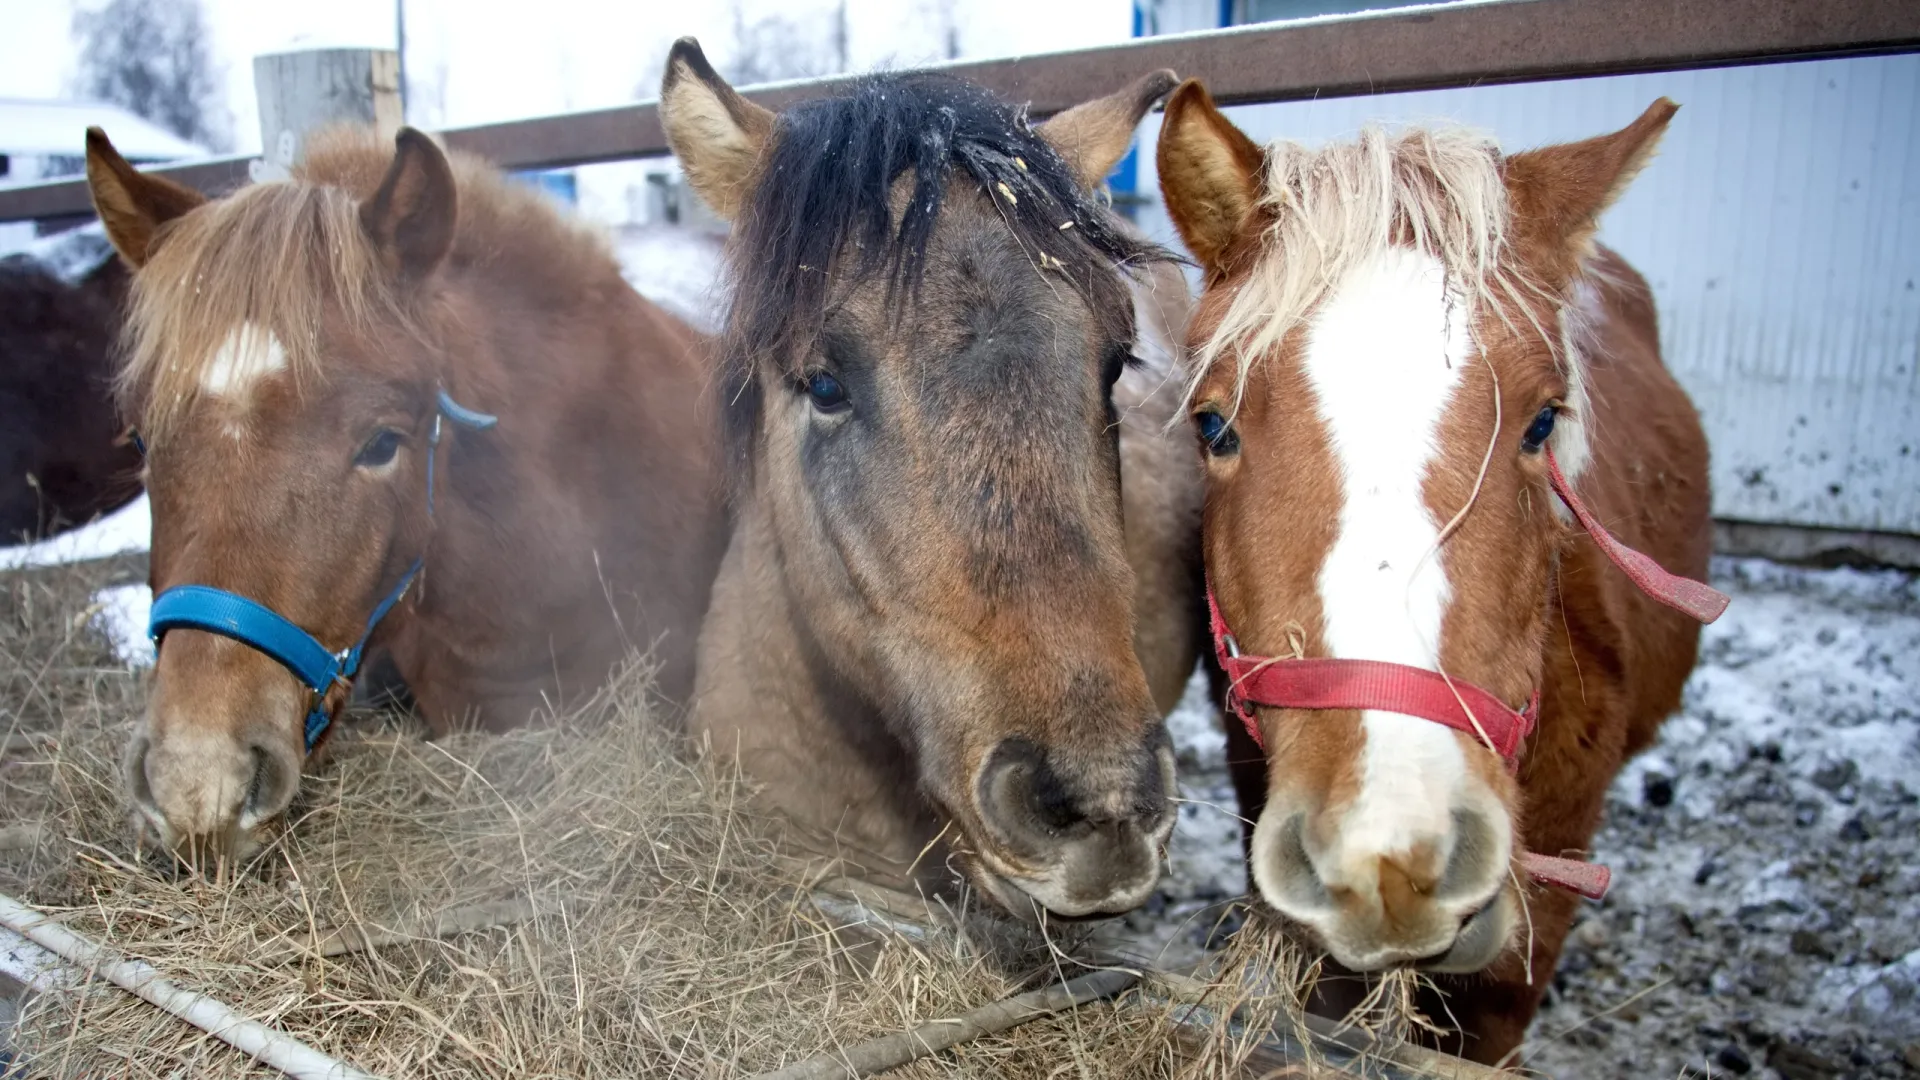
x: 671, y: 937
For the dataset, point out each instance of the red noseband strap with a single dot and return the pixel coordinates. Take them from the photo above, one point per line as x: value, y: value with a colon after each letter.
x: 1330, y: 683
x: 1375, y: 684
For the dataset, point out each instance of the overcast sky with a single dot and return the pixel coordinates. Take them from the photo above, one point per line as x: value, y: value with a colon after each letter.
x: 501, y: 59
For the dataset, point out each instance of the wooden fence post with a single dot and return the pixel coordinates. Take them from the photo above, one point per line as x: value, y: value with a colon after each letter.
x: 300, y: 92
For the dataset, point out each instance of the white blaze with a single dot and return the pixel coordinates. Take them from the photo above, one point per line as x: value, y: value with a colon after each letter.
x: 249, y: 354
x: 1385, y: 355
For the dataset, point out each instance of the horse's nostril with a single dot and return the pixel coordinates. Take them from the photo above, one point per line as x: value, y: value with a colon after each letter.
x: 1076, y: 833
x: 1286, y: 873
x: 262, y: 778
x: 1477, y: 860
x: 1027, y: 798
x: 139, y: 784
x: 271, y: 787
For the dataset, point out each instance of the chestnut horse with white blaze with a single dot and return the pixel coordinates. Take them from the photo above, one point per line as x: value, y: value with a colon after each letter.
x: 394, y: 402
x: 946, y: 629
x: 1424, y: 396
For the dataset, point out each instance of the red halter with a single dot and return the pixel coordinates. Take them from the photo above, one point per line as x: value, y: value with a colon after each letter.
x: 1329, y: 683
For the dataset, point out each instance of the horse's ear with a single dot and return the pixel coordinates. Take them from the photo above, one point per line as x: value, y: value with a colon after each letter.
x: 411, y: 216
x: 1558, y: 192
x: 1094, y: 135
x: 717, y: 134
x: 1209, y: 174
x: 131, y: 204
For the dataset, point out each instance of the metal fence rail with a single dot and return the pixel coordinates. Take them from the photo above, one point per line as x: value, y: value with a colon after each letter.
x: 1406, y: 49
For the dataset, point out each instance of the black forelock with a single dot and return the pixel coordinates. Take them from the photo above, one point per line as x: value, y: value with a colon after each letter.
x: 825, y: 196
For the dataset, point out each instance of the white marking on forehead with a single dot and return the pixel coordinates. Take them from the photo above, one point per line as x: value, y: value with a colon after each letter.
x: 1385, y: 354
x: 249, y: 354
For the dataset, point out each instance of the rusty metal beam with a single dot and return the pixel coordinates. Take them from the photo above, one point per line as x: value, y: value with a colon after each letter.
x: 1416, y: 49
x: 63, y: 197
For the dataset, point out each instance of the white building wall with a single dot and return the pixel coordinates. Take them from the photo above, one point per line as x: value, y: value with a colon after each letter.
x: 1780, y: 229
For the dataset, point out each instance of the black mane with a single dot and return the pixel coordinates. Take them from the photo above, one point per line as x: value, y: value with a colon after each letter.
x: 828, y: 182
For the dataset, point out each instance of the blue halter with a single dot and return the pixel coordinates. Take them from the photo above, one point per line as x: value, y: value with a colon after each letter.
x: 217, y: 611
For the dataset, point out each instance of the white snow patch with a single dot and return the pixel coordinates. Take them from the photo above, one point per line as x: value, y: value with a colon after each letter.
x: 1778, y: 883
x: 129, y: 528
x: 1886, y: 998
x: 1819, y: 662
x: 123, y: 614
x: 1774, y: 888
x: 71, y: 255
x: 32, y: 966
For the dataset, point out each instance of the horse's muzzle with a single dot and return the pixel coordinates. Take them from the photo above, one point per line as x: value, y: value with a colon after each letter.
x: 1073, y: 841
x: 205, y: 797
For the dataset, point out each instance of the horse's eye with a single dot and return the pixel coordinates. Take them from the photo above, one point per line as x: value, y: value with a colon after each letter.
x: 1539, y: 430
x: 825, y: 390
x: 1218, y: 435
x: 378, y: 450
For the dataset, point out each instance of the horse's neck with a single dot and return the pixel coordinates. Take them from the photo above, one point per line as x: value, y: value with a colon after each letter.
x: 766, y: 696
x: 1617, y: 656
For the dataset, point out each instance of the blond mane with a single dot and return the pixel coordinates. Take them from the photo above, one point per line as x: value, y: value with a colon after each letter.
x: 280, y: 257
x: 1437, y: 189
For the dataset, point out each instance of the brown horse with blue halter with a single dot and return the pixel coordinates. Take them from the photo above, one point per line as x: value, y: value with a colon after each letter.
x: 396, y: 404
x: 229, y: 614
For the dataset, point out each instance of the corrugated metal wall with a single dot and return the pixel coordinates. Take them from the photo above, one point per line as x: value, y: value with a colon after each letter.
x: 1780, y: 228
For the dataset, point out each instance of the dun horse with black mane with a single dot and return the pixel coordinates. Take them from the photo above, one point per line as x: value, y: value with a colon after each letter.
x: 312, y: 363
x: 936, y: 633
x: 1424, y: 395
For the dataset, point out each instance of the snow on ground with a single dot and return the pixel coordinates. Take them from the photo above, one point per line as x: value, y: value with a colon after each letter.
x: 70, y: 255
x: 123, y: 618
x: 1764, y: 850
x: 129, y: 528
x: 1205, y: 867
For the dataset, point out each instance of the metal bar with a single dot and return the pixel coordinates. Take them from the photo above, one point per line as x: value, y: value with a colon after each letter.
x: 215, y: 176
x: 1406, y: 49
x: 250, y: 1037
x: 890, y: 1052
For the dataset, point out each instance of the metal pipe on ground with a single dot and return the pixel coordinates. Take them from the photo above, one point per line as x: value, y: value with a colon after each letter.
x: 262, y: 1043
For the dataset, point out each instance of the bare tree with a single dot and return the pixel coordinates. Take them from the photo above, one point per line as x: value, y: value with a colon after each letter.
x: 777, y: 47
x: 154, y: 58
x: 946, y: 24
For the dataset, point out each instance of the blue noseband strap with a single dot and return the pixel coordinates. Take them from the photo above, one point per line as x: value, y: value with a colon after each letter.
x: 217, y: 611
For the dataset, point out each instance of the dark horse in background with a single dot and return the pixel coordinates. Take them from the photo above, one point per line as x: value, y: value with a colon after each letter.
x: 63, y: 455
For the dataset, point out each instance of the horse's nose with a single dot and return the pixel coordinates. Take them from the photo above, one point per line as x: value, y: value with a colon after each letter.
x: 201, y: 795
x: 1089, y: 832
x: 1434, y: 899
